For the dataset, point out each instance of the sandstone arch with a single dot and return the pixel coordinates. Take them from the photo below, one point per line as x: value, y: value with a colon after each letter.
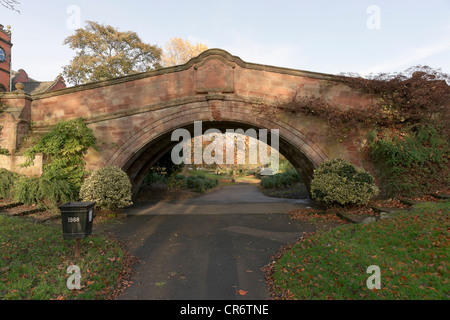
x: 132, y: 116
x: 144, y: 147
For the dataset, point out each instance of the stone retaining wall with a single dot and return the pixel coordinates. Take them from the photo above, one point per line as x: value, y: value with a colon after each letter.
x: 13, y: 163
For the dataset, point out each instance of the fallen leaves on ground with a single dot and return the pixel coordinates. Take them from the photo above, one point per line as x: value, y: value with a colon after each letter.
x: 409, y: 249
x: 388, y: 203
x: 315, y: 216
x: 123, y: 281
x: 427, y: 198
x: 328, y: 215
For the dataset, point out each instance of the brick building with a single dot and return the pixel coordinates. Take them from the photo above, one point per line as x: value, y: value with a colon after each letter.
x: 5, y: 59
x: 10, y: 78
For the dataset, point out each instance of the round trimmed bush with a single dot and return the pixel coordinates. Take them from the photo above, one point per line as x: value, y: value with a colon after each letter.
x: 109, y: 186
x: 340, y: 182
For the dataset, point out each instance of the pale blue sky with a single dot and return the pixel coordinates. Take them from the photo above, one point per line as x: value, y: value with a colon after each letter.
x: 321, y: 36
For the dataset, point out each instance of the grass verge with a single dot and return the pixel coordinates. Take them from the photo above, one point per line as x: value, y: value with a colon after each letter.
x: 34, y: 259
x: 411, y: 250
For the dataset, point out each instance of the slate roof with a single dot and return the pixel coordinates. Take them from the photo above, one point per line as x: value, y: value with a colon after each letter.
x: 32, y: 86
x: 35, y: 87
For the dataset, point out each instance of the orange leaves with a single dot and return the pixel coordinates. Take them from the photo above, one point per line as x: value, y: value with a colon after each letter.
x: 242, y: 292
x: 315, y: 216
x: 114, y: 259
x: 178, y: 51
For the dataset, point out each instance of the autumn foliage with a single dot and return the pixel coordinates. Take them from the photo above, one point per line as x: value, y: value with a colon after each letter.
x: 418, y: 95
x: 410, y: 120
x: 104, y: 52
x: 178, y: 51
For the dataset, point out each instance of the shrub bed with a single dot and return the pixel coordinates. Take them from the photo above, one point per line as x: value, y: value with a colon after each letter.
x: 411, y: 161
x: 7, y: 181
x: 201, y: 183
x: 280, y: 180
x: 45, y: 191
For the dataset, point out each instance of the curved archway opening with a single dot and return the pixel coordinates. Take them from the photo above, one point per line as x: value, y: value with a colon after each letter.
x: 141, y: 161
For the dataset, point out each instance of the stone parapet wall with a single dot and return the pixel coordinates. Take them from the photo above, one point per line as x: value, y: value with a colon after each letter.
x: 13, y: 163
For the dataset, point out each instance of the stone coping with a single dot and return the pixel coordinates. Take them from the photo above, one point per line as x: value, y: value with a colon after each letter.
x: 208, y: 54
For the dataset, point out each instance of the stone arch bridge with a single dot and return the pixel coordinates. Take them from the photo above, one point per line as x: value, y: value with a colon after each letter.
x: 133, y: 117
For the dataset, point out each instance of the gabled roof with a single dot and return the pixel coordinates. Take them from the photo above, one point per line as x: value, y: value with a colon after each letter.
x: 32, y: 86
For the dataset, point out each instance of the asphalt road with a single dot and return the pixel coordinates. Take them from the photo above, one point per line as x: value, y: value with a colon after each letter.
x: 208, y: 248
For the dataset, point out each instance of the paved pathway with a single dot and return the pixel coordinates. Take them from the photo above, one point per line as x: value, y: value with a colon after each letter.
x: 208, y: 247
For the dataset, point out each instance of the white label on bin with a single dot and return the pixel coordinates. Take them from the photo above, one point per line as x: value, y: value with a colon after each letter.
x: 73, y: 219
x: 90, y: 215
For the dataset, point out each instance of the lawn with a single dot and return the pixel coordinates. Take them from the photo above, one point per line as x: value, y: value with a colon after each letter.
x: 34, y: 259
x: 412, y: 251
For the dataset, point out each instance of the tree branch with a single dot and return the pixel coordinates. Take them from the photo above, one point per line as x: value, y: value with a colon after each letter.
x: 10, y: 4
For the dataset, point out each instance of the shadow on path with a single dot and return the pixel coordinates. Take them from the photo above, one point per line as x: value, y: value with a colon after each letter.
x: 208, y: 247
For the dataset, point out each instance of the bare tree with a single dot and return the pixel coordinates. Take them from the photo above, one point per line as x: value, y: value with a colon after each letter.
x: 10, y: 4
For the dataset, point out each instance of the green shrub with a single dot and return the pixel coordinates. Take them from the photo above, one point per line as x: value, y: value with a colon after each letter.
x: 25, y: 190
x: 340, y: 182
x: 109, y: 186
x: 7, y: 181
x: 64, y: 148
x: 412, y: 161
x: 46, y: 191
x: 154, y: 177
x: 56, y: 190
x: 201, y: 183
x: 176, y: 181
x: 281, y: 180
x: 180, y: 177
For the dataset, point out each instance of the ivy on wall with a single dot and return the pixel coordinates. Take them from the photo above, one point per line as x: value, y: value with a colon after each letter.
x: 63, y: 149
x: 412, y: 160
x: 410, y: 138
x: 418, y: 95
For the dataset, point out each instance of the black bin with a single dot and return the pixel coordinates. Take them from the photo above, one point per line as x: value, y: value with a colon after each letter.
x: 77, y: 219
